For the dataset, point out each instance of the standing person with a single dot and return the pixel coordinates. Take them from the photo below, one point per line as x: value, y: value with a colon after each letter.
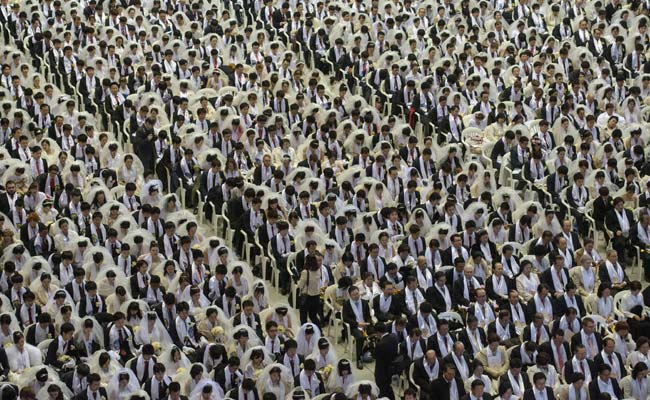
x: 309, y: 285
x: 385, y: 355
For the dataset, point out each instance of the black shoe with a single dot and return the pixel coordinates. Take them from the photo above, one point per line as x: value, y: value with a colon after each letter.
x: 359, y: 365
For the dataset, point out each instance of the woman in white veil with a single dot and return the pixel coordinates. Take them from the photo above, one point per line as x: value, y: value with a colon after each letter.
x: 276, y: 379
x: 21, y: 356
x: 362, y: 390
x: 173, y: 359
x: 206, y: 387
x: 242, y: 338
x: 254, y: 361
x: 151, y: 331
x: 341, y: 377
x: 108, y: 283
x: 307, y: 339
x: 122, y: 385
x: 61, y: 298
x: 95, y: 333
x: 52, y: 389
x: 104, y: 363
x: 323, y: 354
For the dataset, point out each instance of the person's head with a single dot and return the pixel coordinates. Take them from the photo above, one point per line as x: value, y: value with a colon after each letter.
x: 539, y: 380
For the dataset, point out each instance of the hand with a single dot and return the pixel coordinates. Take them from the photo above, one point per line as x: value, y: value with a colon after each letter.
x: 188, y: 350
x: 619, y: 233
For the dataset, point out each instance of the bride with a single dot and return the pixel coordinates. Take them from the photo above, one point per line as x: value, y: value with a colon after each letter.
x: 123, y: 385
x: 207, y: 390
x: 276, y: 379
x: 21, y: 355
x: 151, y: 330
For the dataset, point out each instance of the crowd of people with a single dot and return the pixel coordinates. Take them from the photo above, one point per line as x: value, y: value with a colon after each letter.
x: 203, y: 200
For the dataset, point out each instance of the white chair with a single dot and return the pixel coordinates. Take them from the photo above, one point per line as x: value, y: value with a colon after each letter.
x: 601, y: 322
x: 411, y: 381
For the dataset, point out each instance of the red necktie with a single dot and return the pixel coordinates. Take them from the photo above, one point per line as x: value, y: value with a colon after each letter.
x: 52, y: 185
x: 31, y: 317
x: 560, y: 360
x: 38, y: 167
x: 539, y: 335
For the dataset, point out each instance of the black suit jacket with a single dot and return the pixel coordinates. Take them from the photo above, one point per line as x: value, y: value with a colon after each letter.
x: 463, y: 337
x: 529, y: 394
x: 547, y: 278
x: 83, y: 302
x: 441, y: 388
x: 239, y: 319
x: 437, y: 300
x: 577, y: 339
x: 611, y: 221
x: 598, y: 361
x: 84, y: 395
x: 385, y: 354
x: 568, y: 368
x: 31, y: 336
x: 51, y: 356
x: 594, y: 390
x: 524, y: 377
x: 393, y: 310
x: 349, y: 317
x: 548, y: 349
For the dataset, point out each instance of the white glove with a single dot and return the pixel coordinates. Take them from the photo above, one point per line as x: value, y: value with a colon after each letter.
x: 188, y: 350
x: 203, y: 341
x: 70, y: 364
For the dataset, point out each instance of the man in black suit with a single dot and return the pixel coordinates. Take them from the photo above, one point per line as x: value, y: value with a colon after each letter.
x: 579, y: 363
x: 611, y: 357
x: 589, y: 337
x: 156, y: 386
x: 385, y: 355
x: 62, y: 345
x: 228, y: 375
x: 90, y: 89
x: 602, y: 207
x: 4, y: 363
x: 439, y: 294
x: 539, y: 389
x: 143, y: 365
x: 183, y: 337
x: 473, y: 337
x: 94, y: 390
x: 444, y: 386
x: 263, y: 172
x: 249, y: 318
x: 281, y: 248
x: 247, y: 389
x: 356, y: 313
x: 92, y: 304
x: 557, y: 348
x: 477, y: 391
x: 619, y: 221
x: 8, y: 198
x: 515, y: 379
x: 36, y: 333
x: 386, y: 306
x: 174, y: 390
x: 501, y: 148
x: 605, y: 380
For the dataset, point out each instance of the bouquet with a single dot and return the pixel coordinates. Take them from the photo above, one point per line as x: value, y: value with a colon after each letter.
x: 64, y: 358
x: 217, y: 331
